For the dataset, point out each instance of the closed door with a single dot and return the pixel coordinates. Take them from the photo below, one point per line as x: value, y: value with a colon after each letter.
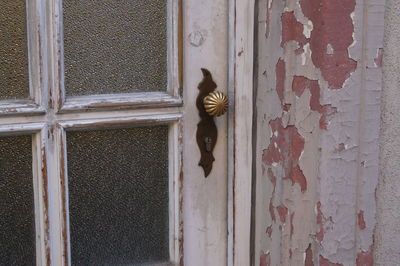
x: 99, y: 161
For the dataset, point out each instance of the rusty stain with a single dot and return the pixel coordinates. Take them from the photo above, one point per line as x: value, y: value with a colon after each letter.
x: 64, y: 202
x: 361, y: 221
x: 46, y: 204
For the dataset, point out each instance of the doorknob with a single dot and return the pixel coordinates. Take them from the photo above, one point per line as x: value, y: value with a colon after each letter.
x: 210, y: 103
x: 216, y: 103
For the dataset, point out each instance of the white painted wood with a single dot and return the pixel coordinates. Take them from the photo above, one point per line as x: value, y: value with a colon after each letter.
x: 124, y: 101
x: 241, y: 159
x: 205, y: 199
x: 40, y: 181
x: 198, y: 206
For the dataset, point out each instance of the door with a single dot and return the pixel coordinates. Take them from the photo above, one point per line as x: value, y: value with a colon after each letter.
x: 99, y: 160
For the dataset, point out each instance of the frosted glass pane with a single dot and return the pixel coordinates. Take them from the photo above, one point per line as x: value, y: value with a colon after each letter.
x: 118, y: 196
x: 13, y: 50
x: 115, y: 46
x: 17, y: 216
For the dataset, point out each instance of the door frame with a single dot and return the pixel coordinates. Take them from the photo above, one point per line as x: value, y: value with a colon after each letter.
x: 240, y: 130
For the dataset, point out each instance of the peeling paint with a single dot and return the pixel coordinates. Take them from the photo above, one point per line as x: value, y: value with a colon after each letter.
x: 308, y: 261
x: 317, y: 131
x: 333, y: 25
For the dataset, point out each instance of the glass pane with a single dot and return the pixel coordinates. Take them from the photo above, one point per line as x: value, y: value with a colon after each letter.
x: 13, y: 50
x: 17, y: 217
x: 118, y: 196
x: 115, y: 46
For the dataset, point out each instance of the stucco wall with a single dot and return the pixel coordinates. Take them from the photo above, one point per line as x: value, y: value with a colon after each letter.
x: 387, y: 235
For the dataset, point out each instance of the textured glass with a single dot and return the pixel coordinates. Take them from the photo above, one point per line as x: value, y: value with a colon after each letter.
x: 115, y: 46
x: 13, y: 50
x: 118, y: 196
x: 17, y: 216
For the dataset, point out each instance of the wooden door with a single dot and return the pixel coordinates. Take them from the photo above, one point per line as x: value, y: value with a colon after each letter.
x: 99, y: 162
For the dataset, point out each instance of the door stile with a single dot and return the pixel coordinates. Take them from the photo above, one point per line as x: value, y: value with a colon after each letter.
x: 41, y: 199
x: 176, y: 191
x: 240, y: 130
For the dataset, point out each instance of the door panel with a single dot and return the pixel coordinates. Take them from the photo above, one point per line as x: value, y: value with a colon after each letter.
x: 112, y: 113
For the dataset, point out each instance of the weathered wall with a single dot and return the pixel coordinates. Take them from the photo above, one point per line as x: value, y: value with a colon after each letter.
x: 387, y: 236
x: 318, y: 119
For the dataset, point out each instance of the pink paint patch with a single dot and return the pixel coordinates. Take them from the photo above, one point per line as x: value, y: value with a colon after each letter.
x: 361, y: 221
x: 365, y: 258
x: 309, y: 257
x: 332, y: 27
x: 265, y: 260
x: 282, y: 210
x: 292, y: 30
x: 325, y: 262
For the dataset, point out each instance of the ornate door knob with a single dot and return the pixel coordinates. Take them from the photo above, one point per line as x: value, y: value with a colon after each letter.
x: 216, y: 103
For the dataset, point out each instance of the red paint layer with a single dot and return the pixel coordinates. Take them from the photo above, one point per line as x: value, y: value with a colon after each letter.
x: 325, y: 262
x: 265, y: 260
x: 298, y: 177
x: 332, y: 25
x: 292, y: 30
x: 365, y: 258
x: 361, y: 221
x: 309, y: 257
x: 282, y: 210
x: 280, y: 71
x: 320, y: 222
x: 286, y: 146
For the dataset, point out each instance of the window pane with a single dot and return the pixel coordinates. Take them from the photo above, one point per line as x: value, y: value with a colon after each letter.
x: 13, y: 50
x: 115, y: 46
x: 118, y: 196
x: 17, y: 218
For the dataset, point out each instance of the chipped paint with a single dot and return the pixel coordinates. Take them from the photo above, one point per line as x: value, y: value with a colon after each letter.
x: 318, y: 106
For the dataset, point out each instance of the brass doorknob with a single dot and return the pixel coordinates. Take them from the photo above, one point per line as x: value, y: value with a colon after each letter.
x: 216, y: 103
